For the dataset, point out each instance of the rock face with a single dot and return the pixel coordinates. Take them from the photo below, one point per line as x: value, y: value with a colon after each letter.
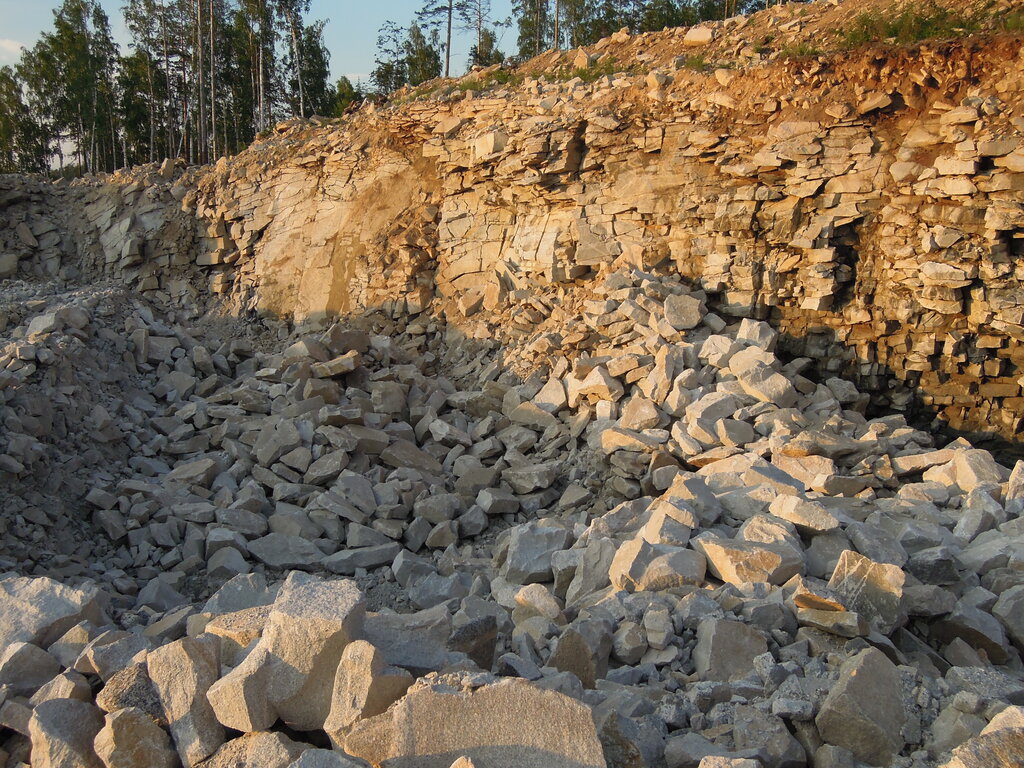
x: 433, y: 726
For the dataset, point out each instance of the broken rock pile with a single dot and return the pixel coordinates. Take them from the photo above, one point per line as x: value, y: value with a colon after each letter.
x: 669, y: 547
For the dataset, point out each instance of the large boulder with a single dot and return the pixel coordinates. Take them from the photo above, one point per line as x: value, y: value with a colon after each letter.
x: 40, y: 610
x: 182, y: 673
x: 62, y: 733
x: 131, y: 739
x: 508, y: 724
x: 290, y: 672
x: 864, y: 711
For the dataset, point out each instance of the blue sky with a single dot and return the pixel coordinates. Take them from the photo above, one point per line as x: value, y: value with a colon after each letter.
x: 350, y: 34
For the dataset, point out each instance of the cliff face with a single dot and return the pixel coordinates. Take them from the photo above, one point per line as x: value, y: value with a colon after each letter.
x: 870, y: 204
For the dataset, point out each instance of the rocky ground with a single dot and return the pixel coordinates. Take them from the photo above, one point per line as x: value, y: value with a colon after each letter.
x: 231, y: 546
x: 554, y: 490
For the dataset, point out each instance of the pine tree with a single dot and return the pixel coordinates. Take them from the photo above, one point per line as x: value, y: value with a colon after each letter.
x: 434, y: 15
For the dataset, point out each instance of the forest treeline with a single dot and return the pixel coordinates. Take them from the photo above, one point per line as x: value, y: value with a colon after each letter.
x: 421, y: 51
x: 200, y: 79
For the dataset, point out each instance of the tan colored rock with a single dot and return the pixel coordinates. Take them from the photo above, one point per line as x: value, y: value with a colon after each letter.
x: 737, y: 561
x: 310, y: 623
x: 40, y: 610
x: 874, y: 590
x: 241, y: 699
x: 266, y: 750
x: 62, y: 733
x: 698, y: 36
x: 182, y: 673
x: 864, y: 710
x: 726, y: 650
x: 131, y: 739
x: 364, y: 686
x: 509, y: 724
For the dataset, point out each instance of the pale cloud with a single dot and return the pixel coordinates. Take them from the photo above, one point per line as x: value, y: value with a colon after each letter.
x: 10, y: 51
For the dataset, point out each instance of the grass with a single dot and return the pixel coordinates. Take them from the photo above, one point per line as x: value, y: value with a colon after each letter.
x: 799, y: 51
x: 606, y: 67
x: 1012, y: 22
x: 490, y: 79
x: 697, y: 63
x: 910, y: 26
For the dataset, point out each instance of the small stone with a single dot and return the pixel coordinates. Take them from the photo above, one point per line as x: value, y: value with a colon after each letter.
x: 684, y: 312
x: 529, y: 552
x: 24, y: 668
x: 182, y: 672
x: 364, y: 686
x: 40, y: 610
x: 510, y: 722
x: 872, y: 589
x: 266, y: 750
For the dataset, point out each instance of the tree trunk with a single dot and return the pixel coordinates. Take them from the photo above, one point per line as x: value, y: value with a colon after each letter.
x: 558, y: 44
x: 298, y: 63
x: 200, y: 84
x: 152, y: 107
x: 213, y: 90
x: 448, y: 40
x: 168, y: 99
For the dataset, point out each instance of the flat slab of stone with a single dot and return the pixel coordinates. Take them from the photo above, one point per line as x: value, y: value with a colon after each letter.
x: 874, y: 590
x: 510, y: 724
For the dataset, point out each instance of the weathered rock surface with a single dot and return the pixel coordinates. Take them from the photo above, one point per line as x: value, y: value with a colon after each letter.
x: 435, y: 725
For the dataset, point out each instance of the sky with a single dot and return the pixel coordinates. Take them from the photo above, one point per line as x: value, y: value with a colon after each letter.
x: 350, y: 34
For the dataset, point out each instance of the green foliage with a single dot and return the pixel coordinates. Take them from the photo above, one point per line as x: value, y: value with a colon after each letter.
x: 584, y: 22
x: 346, y: 95
x: 911, y: 26
x: 487, y: 80
x: 697, y: 62
x: 405, y: 58
x: 1012, y: 22
x: 799, y: 51
x: 485, y: 53
x: 200, y: 79
x: 423, y: 61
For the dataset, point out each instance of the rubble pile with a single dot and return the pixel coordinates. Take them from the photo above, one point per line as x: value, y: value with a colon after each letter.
x: 377, y: 543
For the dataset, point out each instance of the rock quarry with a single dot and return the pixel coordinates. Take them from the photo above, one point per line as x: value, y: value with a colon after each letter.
x: 610, y: 411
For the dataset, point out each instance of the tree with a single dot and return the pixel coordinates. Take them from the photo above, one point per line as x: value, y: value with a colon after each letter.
x: 70, y: 81
x: 290, y: 12
x: 24, y: 142
x: 319, y: 94
x: 391, y: 70
x: 533, y: 17
x: 423, y: 60
x: 485, y: 53
x: 346, y: 95
x: 435, y: 14
x: 476, y: 16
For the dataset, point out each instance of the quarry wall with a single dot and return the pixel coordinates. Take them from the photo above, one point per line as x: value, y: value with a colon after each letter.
x: 869, y: 204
